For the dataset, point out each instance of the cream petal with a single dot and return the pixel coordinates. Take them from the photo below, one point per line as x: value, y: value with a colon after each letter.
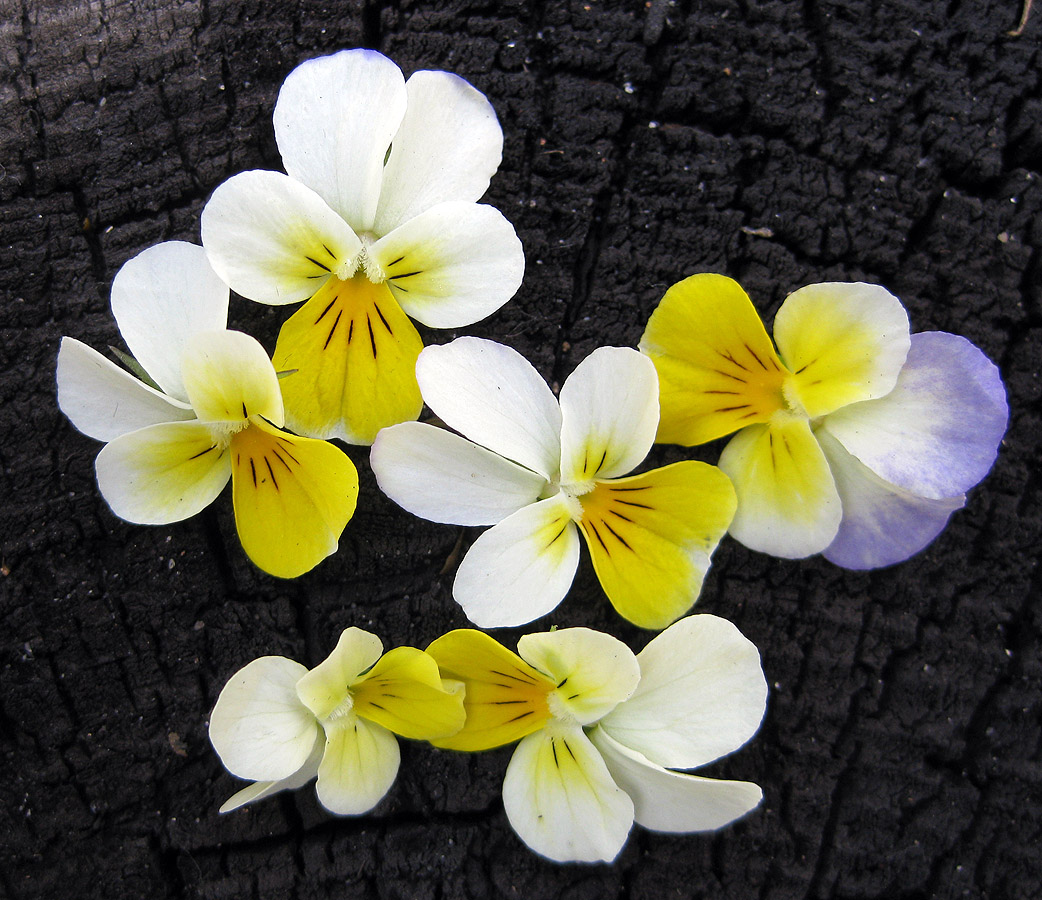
x: 274, y: 240
x: 358, y: 768
x: 593, y: 671
x: 448, y: 147
x: 491, y: 394
x: 787, y: 500
x: 229, y: 378
x: 609, y: 406
x: 262, y: 789
x: 334, y: 121
x: 259, y: 727
x: 883, y: 524
x: 104, y: 401
x: 936, y: 434
x: 326, y: 686
x: 674, y: 801
x: 561, y: 799
x: 453, y: 264
x: 702, y: 694
x: 443, y: 477
x: 163, y: 473
x: 160, y: 298
x: 521, y: 568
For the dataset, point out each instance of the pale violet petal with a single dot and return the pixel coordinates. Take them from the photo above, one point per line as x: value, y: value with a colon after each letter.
x: 491, y: 394
x: 261, y: 789
x: 561, y: 799
x: 334, y: 121
x: 443, y: 477
x: 453, y: 264
x: 274, y: 240
x: 521, y: 568
x: 701, y: 695
x: 359, y: 766
x: 882, y: 523
x: 936, y: 434
x: 160, y: 298
x: 674, y: 801
x: 448, y: 147
x: 593, y: 671
x: 609, y: 406
x: 104, y: 401
x: 163, y: 473
x: 259, y: 727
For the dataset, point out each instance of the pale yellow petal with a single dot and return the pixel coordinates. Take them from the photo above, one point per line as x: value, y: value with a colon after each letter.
x: 229, y: 378
x: 327, y: 686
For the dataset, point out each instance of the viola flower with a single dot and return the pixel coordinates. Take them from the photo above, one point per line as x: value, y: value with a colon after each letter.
x: 535, y: 469
x: 211, y: 411
x: 856, y: 439
x: 375, y: 222
x: 602, y: 730
x: 280, y: 725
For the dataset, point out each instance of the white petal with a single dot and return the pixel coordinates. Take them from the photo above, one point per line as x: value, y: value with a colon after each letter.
x: 358, y: 768
x: 882, y: 523
x: 453, y: 264
x: 334, y: 121
x: 261, y: 789
x: 259, y: 727
x: 674, y: 801
x: 448, y: 147
x: 273, y: 239
x: 593, y: 671
x: 521, y: 568
x: 561, y: 800
x: 443, y: 477
x: 491, y: 394
x: 160, y: 298
x: 701, y: 695
x: 163, y: 473
x: 937, y: 432
x: 610, y: 409
x: 104, y: 401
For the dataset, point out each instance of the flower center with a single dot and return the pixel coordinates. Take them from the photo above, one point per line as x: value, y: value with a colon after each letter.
x: 345, y: 708
x: 362, y: 261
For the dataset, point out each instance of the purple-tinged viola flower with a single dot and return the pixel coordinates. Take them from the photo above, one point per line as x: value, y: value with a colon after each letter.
x: 855, y: 439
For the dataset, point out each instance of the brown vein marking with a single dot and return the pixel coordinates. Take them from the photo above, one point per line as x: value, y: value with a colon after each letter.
x: 526, y: 679
x: 332, y: 255
x: 286, y: 450
x: 380, y: 313
x: 803, y: 369
x: 731, y: 393
x: 553, y: 540
x: 203, y: 452
x: 732, y: 360
x: 407, y: 274
x: 724, y: 409
x: 565, y: 741
x: 378, y: 706
x: 336, y: 322
x: 604, y: 456
x: 398, y: 260
x: 563, y: 681
x: 372, y: 337
x: 322, y: 315
x: 507, y: 702
x: 278, y: 456
x: 759, y: 361
x: 770, y: 440
x: 553, y: 746
x: 729, y: 375
x: 597, y: 535
x: 751, y: 412
x: 245, y: 414
x: 785, y: 441
x: 317, y: 263
x: 632, y: 503
x: 520, y: 717
x: 635, y: 487
x: 617, y: 536
x: 615, y: 512
x: 271, y: 472
x: 350, y: 331
x: 253, y: 471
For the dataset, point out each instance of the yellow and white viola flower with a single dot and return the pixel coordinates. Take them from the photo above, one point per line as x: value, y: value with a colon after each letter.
x: 211, y: 411
x: 601, y: 731
x: 280, y: 725
x: 855, y: 439
x: 376, y: 222
x: 542, y: 471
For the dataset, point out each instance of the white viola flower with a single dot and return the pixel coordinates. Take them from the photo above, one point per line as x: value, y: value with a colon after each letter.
x: 856, y: 439
x: 601, y: 731
x: 281, y: 725
x: 211, y: 411
x: 541, y: 471
x: 376, y: 221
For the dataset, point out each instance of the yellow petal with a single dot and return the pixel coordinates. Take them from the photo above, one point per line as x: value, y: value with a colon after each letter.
x: 651, y: 537
x: 405, y: 693
x: 718, y: 371
x: 843, y: 343
x: 293, y: 496
x: 787, y: 500
x: 352, y: 354
x: 505, y: 696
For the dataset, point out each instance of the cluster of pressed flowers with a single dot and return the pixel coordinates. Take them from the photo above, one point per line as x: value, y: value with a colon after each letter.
x: 852, y: 438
